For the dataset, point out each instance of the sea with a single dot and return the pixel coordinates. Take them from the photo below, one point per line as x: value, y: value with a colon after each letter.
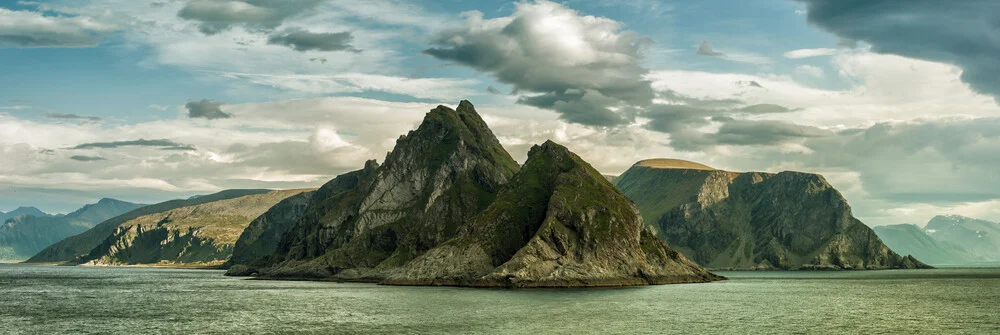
x: 131, y: 300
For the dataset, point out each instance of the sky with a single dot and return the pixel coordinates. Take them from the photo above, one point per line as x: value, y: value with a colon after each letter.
x: 894, y: 102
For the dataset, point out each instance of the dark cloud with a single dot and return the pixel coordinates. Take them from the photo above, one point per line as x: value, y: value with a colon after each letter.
x: 587, y: 81
x: 163, y: 144
x: 215, y: 16
x: 682, y: 122
x: 318, y: 59
x: 87, y: 158
x: 303, y: 40
x: 958, y: 32
x: 72, y: 117
x: 206, y: 109
x: 493, y: 90
x: 764, y: 109
x: 28, y: 29
x: 704, y: 49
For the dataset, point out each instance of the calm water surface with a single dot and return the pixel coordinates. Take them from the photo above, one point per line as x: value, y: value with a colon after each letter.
x: 50, y: 299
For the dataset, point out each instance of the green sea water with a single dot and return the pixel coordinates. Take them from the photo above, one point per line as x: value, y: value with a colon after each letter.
x: 61, y: 300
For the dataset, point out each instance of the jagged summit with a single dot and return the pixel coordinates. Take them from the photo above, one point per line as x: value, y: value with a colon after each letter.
x: 668, y: 163
x: 376, y: 219
x: 559, y: 223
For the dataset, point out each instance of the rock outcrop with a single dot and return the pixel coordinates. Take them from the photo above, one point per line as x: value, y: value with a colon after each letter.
x: 754, y: 220
x: 81, y: 244
x: 261, y: 237
x: 364, y: 224
x: 559, y: 223
x: 201, y: 235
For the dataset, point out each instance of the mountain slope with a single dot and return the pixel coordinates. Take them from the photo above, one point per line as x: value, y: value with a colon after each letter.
x: 261, y: 237
x: 559, y: 223
x: 979, y: 237
x: 31, y: 211
x: 730, y: 220
x: 81, y: 244
x: 25, y: 235
x: 910, y: 239
x: 202, y: 234
x: 435, y: 178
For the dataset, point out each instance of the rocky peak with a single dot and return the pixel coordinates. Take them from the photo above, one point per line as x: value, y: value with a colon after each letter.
x: 558, y: 223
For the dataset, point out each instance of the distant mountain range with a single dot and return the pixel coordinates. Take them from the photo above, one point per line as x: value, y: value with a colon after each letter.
x: 947, y: 240
x: 28, y: 230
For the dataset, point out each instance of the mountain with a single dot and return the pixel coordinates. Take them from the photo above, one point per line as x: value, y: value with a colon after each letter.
x: 558, y: 223
x: 202, y: 234
x: 261, y: 237
x: 910, y: 239
x: 979, y: 237
x: 363, y: 224
x: 81, y: 244
x: 754, y: 220
x: 31, y: 211
x: 26, y: 234
x: 104, y: 209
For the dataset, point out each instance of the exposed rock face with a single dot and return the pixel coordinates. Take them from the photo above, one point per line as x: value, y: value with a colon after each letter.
x: 79, y: 245
x: 559, y: 223
x: 202, y: 234
x: 261, y: 237
x: 364, y: 224
x: 730, y: 220
x: 27, y: 234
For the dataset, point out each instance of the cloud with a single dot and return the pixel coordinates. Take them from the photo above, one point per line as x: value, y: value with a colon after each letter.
x: 206, y: 109
x: 28, y: 29
x: 962, y: 33
x: 215, y: 16
x: 72, y: 117
x: 704, y: 49
x: 162, y: 144
x: 806, y: 53
x: 444, y: 89
x: 810, y: 70
x: 87, y: 158
x: 583, y: 67
x: 158, y: 107
x: 493, y: 90
x: 304, y: 40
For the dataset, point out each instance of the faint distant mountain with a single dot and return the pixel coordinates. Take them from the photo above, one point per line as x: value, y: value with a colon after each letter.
x: 980, y: 237
x: 81, y: 244
x: 21, y: 211
x: 911, y: 239
x: 24, y: 235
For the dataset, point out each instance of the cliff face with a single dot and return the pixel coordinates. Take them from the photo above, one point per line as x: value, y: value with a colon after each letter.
x: 202, y: 234
x: 559, y: 223
x: 81, y: 244
x: 364, y: 224
x: 729, y: 220
x: 261, y: 237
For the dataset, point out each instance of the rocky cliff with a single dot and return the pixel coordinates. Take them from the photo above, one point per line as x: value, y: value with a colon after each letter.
x: 261, y: 237
x: 202, y: 234
x: 559, y: 223
x: 81, y: 244
x: 730, y: 220
x: 363, y: 225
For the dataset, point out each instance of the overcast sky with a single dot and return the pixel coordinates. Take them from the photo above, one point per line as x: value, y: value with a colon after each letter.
x: 894, y: 102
